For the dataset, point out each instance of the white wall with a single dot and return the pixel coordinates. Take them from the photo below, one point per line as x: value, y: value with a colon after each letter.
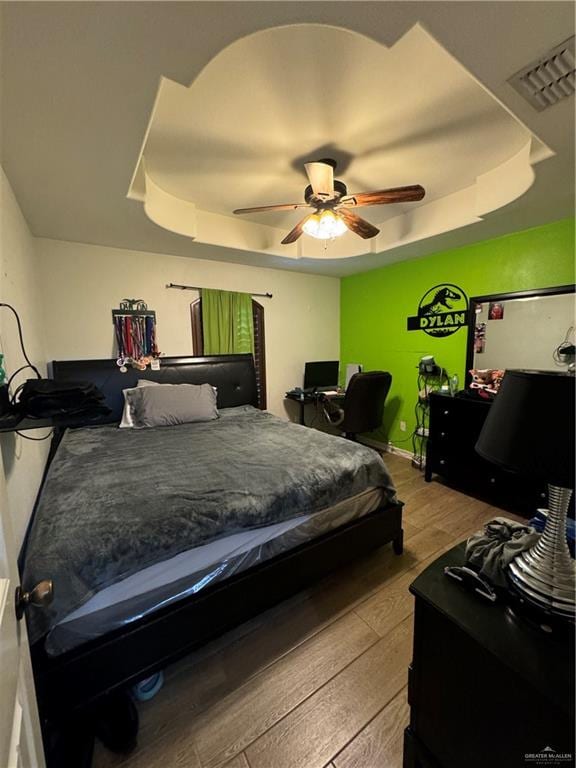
x: 23, y: 460
x: 81, y: 284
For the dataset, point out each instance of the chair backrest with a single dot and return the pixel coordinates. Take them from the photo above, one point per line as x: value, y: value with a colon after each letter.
x: 364, y: 401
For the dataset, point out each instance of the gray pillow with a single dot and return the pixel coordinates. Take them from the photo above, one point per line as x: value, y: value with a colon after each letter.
x: 127, y: 421
x: 169, y: 404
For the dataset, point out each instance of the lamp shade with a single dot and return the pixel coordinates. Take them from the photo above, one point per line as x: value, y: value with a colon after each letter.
x: 530, y: 426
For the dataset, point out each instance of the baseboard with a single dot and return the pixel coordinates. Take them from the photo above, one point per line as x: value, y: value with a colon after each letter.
x: 386, y: 447
x: 399, y: 451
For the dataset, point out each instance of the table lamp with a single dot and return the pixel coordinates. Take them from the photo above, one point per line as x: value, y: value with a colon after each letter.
x: 530, y: 430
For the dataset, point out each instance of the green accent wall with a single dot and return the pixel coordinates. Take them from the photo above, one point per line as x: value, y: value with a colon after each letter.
x: 375, y: 306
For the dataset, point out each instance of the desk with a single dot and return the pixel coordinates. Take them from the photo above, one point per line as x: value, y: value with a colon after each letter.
x: 305, y: 398
x: 11, y: 424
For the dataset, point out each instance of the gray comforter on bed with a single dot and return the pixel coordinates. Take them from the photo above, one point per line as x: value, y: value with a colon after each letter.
x: 118, y: 500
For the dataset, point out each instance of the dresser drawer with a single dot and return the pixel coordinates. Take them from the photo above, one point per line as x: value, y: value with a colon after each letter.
x: 455, y: 425
x: 452, y: 436
x: 455, y: 419
x: 443, y: 414
x: 480, y: 476
x: 449, y: 462
x: 440, y: 461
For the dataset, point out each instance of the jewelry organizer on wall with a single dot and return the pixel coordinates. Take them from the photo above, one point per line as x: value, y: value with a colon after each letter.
x: 135, y: 330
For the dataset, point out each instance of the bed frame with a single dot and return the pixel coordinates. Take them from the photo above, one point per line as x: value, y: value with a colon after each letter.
x: 85, y: 691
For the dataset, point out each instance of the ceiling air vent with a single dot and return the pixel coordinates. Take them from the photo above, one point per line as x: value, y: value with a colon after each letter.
x: 549, y: 79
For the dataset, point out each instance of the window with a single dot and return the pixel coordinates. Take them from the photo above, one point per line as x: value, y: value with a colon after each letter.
x: 259, y: 345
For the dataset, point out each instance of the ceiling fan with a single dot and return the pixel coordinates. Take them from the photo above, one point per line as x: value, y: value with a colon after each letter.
x: 332, y: 215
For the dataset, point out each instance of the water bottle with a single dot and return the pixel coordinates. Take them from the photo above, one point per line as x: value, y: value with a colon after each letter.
x: 454, y: 384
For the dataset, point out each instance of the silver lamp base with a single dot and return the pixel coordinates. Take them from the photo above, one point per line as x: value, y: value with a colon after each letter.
x: 545, y: 574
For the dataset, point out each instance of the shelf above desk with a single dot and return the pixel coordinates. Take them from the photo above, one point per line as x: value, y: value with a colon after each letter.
x: 25, y: 424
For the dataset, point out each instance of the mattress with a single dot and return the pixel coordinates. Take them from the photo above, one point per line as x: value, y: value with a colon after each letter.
x: 120, y: 503
x: 189, y: 572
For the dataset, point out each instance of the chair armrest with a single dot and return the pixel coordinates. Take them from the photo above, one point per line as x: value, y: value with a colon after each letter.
x: 334, y: 416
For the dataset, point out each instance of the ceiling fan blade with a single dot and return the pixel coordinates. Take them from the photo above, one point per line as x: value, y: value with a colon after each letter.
x: 384, y: 196
x: 295, y: 233
x: 321, y: 176
x: 281, y: 207
x: 357, y: 225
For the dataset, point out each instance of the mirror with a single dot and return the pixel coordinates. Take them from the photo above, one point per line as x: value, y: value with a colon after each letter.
x: 529, y: 329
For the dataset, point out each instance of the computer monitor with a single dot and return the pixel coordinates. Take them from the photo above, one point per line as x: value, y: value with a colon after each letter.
x: 321, y: 374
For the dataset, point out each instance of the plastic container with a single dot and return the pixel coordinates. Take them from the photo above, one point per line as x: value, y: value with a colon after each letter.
x: 148, y: 688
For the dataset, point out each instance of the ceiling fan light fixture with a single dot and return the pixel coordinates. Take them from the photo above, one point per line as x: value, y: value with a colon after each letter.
x: 324, y: 226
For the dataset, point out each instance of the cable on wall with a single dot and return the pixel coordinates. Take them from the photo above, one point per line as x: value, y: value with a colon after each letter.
x: 22, y: 347
x: 35, y: 439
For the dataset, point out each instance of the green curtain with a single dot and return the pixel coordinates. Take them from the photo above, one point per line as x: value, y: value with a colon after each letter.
x: 227, y: 322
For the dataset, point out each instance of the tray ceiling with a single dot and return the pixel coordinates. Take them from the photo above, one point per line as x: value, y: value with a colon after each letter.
x: 404, y: 114
x: 79, y: 82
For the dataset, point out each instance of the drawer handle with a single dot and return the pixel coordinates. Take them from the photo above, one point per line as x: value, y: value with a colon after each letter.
x: 442, y: 462
x: 41, y: 596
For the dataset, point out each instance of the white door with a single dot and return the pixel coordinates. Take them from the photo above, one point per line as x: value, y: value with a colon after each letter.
x: 20, y: 738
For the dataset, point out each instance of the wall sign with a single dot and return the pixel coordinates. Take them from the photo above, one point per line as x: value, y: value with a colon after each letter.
x: 441, y: 311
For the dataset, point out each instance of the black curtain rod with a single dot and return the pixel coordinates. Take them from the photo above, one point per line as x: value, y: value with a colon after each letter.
x: 197, y: 288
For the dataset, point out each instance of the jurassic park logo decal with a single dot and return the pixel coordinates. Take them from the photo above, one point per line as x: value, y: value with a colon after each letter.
x: 441, y: 312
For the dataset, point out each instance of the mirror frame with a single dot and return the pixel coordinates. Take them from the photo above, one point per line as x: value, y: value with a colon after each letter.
x: 475, y: 300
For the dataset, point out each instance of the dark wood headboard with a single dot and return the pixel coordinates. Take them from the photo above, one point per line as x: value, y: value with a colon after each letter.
x: 232, y: 375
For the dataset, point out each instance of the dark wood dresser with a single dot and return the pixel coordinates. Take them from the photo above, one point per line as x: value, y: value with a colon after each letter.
x: 486, y: 689
x: 455, y: 424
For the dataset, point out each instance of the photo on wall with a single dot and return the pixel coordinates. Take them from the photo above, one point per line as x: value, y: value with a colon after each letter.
x: 496, y: 310
x: 480, y: 338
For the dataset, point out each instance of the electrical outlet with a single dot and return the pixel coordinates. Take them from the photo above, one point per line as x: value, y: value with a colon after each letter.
x: 402, y: 426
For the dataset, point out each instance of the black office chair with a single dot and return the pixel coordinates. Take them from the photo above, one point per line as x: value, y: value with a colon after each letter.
x: 363, y: 403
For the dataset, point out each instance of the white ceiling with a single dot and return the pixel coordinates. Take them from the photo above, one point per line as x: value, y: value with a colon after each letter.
x: 235, y: 136
x: 80, y: 79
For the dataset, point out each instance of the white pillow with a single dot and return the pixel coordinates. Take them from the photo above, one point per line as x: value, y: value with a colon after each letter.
x: 127, y: 421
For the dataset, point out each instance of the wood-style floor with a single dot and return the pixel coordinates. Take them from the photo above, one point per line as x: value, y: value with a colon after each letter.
x: 320, y: 680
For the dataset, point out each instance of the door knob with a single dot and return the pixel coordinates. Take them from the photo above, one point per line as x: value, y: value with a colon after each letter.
x: 41, y: 596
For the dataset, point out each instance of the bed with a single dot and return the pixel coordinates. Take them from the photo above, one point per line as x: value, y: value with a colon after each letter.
x: 160, y: 539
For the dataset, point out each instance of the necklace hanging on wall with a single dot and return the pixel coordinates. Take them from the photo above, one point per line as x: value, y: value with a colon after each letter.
x: 135, y: 330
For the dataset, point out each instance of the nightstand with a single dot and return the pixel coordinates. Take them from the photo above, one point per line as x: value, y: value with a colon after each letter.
x: 486, y: 689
